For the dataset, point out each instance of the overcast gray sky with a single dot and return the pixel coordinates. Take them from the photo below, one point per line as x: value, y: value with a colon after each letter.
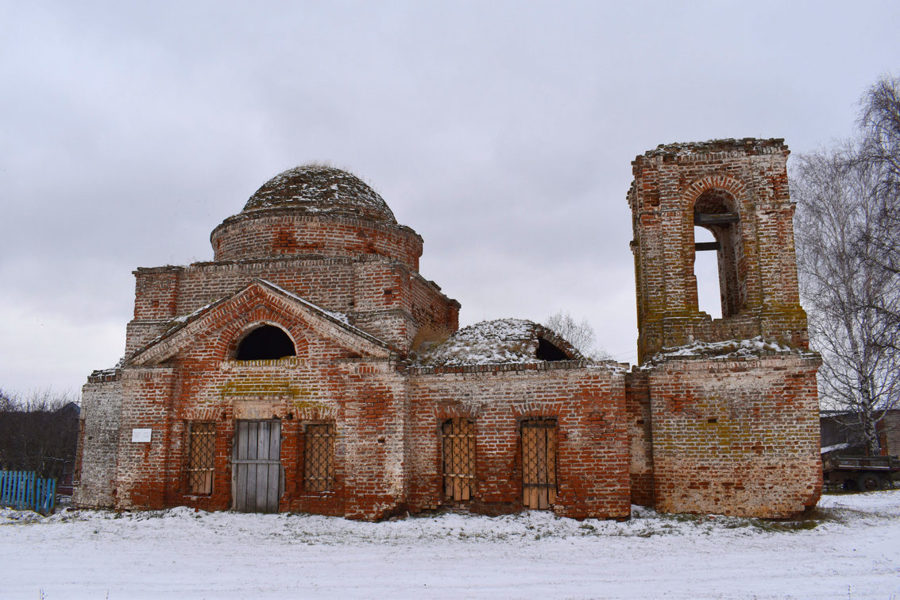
x: 501, y: 131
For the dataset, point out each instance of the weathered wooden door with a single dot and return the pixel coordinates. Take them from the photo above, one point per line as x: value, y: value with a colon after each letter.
x: 538, y: 463
x: 256, y: 478
x: 459, y: 459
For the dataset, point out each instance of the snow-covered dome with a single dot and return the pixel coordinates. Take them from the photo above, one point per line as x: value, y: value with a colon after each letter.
x: 503, y: 341
x: 315, y: 210
x: 318, y: 189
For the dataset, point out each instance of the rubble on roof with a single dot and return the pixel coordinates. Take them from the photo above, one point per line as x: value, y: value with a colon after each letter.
x: 502, y: 341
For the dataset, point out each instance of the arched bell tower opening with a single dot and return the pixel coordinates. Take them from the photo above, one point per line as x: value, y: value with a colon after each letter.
x: 706, y: 273
x: 716, y: 212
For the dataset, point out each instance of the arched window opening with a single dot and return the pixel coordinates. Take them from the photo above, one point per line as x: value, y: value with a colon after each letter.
x: 265, y: 343
x: 715, y: 212
x: 549, y: 352
x: 706, y: 272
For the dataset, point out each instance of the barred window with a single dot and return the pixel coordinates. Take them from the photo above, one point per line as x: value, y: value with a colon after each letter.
x: 458, y: 437
x: 539, y: 445
x: 201, y: 452
x: 318, y: 471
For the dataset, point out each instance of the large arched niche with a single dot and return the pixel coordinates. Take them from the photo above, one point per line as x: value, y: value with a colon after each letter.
x: 264, y: 342
x: 718, y: 211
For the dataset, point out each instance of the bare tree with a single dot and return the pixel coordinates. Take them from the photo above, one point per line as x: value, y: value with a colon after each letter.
x: 880, y: 122
x: 846, y: 247
x: 578, y: 333
x: 6, y: 402
x: 39, y: 433
x: 880, y: 153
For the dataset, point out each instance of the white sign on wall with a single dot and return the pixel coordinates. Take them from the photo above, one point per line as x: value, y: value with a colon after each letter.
x: 141, y: 435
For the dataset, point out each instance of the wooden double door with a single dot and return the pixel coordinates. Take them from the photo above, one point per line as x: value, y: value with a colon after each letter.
x: 257, y: 481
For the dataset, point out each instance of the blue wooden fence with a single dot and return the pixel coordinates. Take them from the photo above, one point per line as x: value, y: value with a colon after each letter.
x: 25, y: 490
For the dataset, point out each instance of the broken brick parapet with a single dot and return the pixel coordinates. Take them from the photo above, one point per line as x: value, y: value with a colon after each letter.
x: 721, y: 149
x: 105, y: 375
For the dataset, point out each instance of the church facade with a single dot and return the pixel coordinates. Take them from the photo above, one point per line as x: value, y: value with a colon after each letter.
x: 310, y: 367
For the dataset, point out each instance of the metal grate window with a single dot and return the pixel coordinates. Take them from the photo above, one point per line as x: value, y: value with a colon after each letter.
x: 202, y: 448
x: 539, y: 463
x: 318, y: 458
x: 458, y: 436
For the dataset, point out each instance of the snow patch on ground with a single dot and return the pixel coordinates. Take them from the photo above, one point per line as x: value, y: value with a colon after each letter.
x: 848, y: 548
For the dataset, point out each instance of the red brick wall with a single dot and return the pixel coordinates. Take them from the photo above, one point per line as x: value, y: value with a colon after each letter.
x: 387, y: 446
x: 284, y: 231
x: 382, y: 298
x: 144, y: 470
x: 736, y: 437
x: 156, y: 297
x: 588, y: 403
x: 98, y: 441
x: 325, y: 382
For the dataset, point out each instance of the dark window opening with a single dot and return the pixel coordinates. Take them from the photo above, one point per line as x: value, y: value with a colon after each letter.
x: 716, y: 218
x: 549, y: 352
x: 265, y: 343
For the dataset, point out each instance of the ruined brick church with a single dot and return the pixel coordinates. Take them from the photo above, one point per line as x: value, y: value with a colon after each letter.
x: 310, y: 367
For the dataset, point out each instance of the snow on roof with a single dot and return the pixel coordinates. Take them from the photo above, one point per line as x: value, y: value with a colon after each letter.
x: 724, y: 350
x: 833, y: 447
x: 748, y: 145
x: 321, y: 189
x: 503, y: 341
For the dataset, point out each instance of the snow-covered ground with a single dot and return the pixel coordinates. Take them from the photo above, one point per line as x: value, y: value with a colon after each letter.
x: 849, y: 549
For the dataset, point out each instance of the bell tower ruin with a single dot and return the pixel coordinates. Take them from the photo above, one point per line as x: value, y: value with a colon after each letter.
x: 738, y: 190
x: 727, y: 408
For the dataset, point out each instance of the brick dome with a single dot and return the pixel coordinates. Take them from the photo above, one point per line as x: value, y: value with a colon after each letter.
x: 314, y: 210
x: 317, y: 189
